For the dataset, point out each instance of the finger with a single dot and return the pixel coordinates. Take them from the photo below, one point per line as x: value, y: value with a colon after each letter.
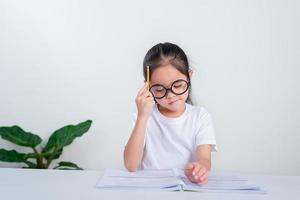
x: 188, y: 172
x: 202, y: 171
x: 146, y: 94
x: 189, y: 166
x: 144, y: 88
x: 199, y: 180
x: 188, y: 169
x: 203, y: 182
x: 196, y: 169
x: 204, y: 177
x: 150, y: 101
x: 192, y: 179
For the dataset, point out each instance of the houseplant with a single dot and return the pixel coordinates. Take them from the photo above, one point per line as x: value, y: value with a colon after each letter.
x: 41, y: 156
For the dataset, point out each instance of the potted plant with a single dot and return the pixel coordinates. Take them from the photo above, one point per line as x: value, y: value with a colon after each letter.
x: 41, y: 156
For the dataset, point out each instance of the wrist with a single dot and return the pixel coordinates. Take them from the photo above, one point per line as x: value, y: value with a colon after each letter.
x: 204, y: 163
x: 142, y: 117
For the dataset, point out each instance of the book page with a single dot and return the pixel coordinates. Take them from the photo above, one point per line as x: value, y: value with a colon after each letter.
x: 222, y: 182
x: 174, y: 179
x: 144, y: 179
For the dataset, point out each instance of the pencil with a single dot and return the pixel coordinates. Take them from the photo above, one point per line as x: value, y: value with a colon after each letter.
x: 148, y: 76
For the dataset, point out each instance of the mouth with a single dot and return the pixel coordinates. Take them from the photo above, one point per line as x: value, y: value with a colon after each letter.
x: 170, y: 103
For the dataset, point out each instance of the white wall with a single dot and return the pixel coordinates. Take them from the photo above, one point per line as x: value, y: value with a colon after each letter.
x: 62, y: 62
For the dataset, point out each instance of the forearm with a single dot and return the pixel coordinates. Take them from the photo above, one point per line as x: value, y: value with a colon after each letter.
x: 204, y: 156
x: 134, y: 149
x: 197, y: 171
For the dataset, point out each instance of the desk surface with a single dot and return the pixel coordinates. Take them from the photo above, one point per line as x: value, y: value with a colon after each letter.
x: 18, y: 184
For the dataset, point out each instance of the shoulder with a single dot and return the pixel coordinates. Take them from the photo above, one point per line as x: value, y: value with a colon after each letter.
x: 199, y: 115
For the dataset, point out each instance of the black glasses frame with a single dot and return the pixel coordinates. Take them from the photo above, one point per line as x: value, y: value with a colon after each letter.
x: 170, y: 88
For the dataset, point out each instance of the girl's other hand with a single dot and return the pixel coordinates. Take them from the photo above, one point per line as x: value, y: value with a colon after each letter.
x: 196, y: 173
x: 144, y: 102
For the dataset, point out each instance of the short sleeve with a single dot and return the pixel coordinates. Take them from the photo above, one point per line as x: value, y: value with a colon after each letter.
x: 205, y: 133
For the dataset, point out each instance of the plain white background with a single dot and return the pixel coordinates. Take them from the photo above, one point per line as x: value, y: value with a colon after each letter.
x: 62, y: 62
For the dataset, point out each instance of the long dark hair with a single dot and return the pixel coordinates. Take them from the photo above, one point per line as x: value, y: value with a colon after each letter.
x: 167, y: 53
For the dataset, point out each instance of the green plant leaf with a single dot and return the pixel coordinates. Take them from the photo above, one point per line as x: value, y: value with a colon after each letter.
x: 30, y: 165
x: 65, y: 135
x: 54, y: 155
x: 67, y: 165
x: 64, y: 168
x: 18, y: 136
x: 11, y: 156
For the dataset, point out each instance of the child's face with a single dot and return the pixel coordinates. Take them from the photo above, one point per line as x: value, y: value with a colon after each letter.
x: 166, y: 75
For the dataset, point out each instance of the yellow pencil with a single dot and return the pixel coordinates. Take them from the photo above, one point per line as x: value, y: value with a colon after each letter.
x: 148, y: 77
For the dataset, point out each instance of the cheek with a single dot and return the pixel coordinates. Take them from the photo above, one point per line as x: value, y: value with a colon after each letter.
x: 184, y: 96
x: 164, y: 101
x: 161, y: 101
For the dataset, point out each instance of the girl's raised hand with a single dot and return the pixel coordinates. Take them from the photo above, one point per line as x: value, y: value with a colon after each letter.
x: 144, y: 102
x: 196, y: 173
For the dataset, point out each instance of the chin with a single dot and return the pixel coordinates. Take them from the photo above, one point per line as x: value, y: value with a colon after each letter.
x: 176, y: 106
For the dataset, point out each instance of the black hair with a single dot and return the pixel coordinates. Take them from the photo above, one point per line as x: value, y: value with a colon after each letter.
x: 167, y: 53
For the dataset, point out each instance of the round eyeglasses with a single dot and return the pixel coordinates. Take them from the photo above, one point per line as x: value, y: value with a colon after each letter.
x: 178, y: 87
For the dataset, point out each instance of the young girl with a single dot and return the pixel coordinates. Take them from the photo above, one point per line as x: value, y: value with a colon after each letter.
x: 169, y: 132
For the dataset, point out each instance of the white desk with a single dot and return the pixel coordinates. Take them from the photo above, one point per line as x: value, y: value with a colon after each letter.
x: 32, y: 184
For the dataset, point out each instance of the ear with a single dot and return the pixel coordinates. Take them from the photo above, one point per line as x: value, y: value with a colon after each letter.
x: 191, y: 73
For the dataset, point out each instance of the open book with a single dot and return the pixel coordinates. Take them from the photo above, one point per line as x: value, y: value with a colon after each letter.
x: 173, y: 180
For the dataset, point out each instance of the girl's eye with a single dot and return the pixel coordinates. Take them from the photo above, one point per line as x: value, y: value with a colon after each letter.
x: 178, y: 86
x: 158, y: 90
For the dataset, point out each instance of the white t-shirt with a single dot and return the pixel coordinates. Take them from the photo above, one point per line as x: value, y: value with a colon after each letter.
x: 172, y: 142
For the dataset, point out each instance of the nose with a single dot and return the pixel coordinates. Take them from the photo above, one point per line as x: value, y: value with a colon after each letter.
x: 169, y: 94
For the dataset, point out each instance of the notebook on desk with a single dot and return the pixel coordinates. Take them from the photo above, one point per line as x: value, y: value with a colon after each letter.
x: 173, y: 180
